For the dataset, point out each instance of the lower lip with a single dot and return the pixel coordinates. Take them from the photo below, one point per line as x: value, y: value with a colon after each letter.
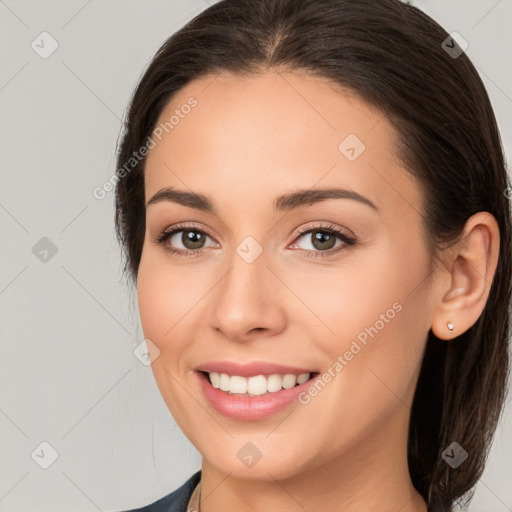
x: 247, y: 408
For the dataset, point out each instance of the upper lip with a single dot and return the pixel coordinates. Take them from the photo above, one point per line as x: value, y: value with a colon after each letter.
x: 251, y: 368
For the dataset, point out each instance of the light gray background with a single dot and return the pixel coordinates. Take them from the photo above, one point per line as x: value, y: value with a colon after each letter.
x: 69, y: 325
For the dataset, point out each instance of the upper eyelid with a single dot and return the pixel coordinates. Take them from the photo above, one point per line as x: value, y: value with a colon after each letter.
x: 184, y: 227
x: 331, y: 227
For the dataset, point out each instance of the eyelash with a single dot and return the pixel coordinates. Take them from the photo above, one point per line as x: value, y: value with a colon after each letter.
x: 332, y: 230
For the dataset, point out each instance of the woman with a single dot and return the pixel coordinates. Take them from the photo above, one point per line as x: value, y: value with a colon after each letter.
x: 312, y: 200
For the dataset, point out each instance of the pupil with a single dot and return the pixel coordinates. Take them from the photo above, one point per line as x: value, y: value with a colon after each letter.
x: 326, y: 240
x: 192, y: 239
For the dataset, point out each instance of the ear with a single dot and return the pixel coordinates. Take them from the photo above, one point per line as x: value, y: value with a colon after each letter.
x: 466, y: 277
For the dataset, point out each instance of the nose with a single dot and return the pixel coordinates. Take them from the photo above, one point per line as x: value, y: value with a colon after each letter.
x: 249, y: 301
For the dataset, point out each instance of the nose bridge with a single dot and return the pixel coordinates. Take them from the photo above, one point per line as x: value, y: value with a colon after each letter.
x: 245, y: 298
x: 245, y: 281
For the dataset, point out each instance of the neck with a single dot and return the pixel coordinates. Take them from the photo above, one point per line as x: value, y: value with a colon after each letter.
x: 372, y: 476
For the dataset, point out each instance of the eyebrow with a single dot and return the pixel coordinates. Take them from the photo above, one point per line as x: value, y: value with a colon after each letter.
x: 284, y: 202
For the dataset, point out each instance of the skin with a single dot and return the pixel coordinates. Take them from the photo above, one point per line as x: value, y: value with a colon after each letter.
x: 249, y: 140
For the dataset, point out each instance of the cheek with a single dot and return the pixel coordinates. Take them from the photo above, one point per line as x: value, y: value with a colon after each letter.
x: 345, y: 300
x: 167, y: 295
x: 152, y: 298
x: 163, y: 304
x: 371, y: 369
x: 373, y: 314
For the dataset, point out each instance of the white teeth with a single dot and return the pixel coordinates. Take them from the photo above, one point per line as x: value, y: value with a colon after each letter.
x: 256, y: 385
x: 238, y: 384
x: 224, y: 381
x: 215, y: 379
x: 274, y: 383
x: 303, y: 377
x: 289, y: 381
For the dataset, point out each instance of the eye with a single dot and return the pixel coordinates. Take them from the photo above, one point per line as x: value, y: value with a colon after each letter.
x: 191, y: 239
x: 322, y: 240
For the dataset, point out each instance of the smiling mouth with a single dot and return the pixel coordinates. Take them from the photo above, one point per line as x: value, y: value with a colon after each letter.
x: 256, y: 385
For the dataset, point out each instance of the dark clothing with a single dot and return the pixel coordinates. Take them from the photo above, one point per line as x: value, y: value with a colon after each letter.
x: 177, y: 500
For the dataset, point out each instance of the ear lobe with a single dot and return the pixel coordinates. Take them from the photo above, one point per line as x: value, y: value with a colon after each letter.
x: 471, y: 268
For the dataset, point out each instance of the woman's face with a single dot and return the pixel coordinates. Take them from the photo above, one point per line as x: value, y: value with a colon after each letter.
x: 333, y: 285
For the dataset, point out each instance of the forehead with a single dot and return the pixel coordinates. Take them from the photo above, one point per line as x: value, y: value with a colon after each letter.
x: 259, y: 133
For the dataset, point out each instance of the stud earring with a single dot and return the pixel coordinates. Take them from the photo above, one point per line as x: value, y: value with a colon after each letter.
x: 450, y: 326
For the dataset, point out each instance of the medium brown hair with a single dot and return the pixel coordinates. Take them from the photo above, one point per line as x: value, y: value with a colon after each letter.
x: 391, y: 55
